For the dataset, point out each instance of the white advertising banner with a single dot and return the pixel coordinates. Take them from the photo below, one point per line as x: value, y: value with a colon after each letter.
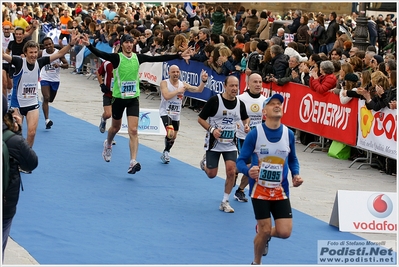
x: 364, y: 211
x: 377, y: 131
x: 149, y: 122
x: 151, y: 72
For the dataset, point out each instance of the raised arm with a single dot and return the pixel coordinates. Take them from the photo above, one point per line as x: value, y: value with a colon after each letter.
x: 65, y: 49
x: 200, y: 88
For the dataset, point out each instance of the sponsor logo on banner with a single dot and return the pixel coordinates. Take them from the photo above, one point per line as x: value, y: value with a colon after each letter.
x: 380, y: 205
x: 372, y: 212
x: 149, y: 123
x: 377, y: 131
x: 323, y: 112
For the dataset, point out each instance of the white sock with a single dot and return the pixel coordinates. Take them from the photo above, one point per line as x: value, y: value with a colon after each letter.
x: 133, y: 161
x: 226, y: 197
x: 47, y: 120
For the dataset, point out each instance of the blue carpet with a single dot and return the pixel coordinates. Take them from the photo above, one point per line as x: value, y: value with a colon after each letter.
x: 78, y: 209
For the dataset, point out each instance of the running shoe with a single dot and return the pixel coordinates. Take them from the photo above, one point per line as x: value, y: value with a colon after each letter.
x: 240, y: 196
x: 203, y: 162
x: 49, y: 124
x: 113, y: 142
x: 107, y: 152
x: 225, y: 206
x: 165, y: 157
x: 102, y: 125
x: 266, y: 247
x: 134, y: 167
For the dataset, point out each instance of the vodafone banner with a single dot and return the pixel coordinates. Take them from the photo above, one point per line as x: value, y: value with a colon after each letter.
x: 151, y: 72
x: 308, y: 111
x: 373, y: 212
x: 378, y: 130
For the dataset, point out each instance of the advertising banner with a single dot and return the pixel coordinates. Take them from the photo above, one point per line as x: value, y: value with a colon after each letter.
x: 371, y: 212
x: 151, y: 72
x: 149, y: 122
x: 191, y: 73
x: 377, y: 131
x: 319, y: 114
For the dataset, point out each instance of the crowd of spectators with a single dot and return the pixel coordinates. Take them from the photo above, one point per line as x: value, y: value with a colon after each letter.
x: 320, y: 55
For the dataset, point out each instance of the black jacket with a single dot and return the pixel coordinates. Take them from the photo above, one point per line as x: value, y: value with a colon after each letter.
x: 280, y: 65
x: 332, y: 29
x: 21, y: 155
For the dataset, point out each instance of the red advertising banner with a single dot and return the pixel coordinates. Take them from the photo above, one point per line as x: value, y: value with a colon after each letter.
x: 308, y: 111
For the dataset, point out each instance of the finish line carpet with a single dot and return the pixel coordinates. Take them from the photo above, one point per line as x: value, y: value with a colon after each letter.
x: 78, y: 209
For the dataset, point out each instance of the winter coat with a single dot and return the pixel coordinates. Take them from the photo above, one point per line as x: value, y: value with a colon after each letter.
x: 302, y: 34
x: 323, y: 84
x: 263, y: 29
x: 218, y: 18
x: 251, y: 22
x: 332, y: 29
x: 21, y: 155
x: 280, y: 65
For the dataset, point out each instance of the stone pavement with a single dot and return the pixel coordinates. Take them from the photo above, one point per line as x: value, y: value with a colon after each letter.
x: 80, y: 96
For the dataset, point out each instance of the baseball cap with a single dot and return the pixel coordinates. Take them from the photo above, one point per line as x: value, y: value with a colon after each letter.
x: 126, y: 37
x: 379, y: 58
x: 275, y: 96
x: 19, y: 12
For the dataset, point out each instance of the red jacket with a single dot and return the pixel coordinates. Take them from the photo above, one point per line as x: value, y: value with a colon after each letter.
x: 324, y: 84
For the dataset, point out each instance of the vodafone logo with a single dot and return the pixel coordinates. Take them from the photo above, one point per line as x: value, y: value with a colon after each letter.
x: 380, y: 205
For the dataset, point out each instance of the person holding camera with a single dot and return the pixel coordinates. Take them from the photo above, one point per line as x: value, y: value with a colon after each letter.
x: 21, y: 155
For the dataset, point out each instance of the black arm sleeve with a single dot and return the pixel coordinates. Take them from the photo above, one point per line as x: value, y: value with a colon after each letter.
x: 243, y: 111
x: 146, y: 58
x: 17, y: 62
x: 113, y: 57
x: 43, y: 61
x: 210, y: 108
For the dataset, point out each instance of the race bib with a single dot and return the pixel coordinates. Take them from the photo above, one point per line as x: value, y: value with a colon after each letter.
x: 128, y: 89
x: 270, y: 175
x: 50, y: 68
x: 174, y: 108
x: 227, y: 136
x: 29, y: 90
x: 64, y: 27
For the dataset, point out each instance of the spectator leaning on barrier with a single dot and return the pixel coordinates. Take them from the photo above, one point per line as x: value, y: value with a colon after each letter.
x: 291, y: 74
x: 326, y: 81
x: 381, y: 84
x: 279, y: 61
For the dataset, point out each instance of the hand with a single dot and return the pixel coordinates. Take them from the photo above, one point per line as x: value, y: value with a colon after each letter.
x: 217, y: 133
x: 104, y: 88
x: 188, y: 52
x: 246, y: 128
x: 297, y: 180
x: 392, y: 104
x: 204, y: 75
x: 84, y: 39
x: 181, y: 90
x: 254, y: 172
x: 294, y: 74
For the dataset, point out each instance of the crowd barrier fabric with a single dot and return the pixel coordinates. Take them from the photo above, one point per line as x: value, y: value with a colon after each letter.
x: 377, y: 131
x: 191, y: 73
x: 151, y: 72
x: 315, y: 113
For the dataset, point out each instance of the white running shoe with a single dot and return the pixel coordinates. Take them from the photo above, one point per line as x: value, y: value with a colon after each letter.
x: 203, y: 162
x: 225, y: 206
x: 134, y: 167
x: 107, y: 152
x: 165, y: 157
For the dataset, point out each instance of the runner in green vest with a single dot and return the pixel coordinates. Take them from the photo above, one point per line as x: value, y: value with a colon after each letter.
x: 126, y: 92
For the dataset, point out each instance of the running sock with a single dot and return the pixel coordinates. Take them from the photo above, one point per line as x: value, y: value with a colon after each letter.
x: 225, y: 197
x: 133, y: 161
x: 168, y: 143
x: 47, y: 120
